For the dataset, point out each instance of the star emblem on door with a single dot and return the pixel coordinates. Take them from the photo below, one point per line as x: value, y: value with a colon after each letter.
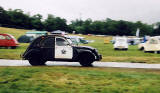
x: 63, y: 51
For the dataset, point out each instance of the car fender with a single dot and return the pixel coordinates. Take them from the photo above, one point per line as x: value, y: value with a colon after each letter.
x: 85, y: 51
x: 31, y: 53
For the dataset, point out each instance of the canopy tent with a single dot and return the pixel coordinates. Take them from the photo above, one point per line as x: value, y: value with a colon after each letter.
x: 58, y: 32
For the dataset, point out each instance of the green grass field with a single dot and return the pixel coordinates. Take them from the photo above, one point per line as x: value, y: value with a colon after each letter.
x: 78, y: 80
x: 109, y: 54
x: 61, y: 79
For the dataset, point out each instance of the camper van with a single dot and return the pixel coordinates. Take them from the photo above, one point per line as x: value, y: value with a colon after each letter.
x: 121, y: 43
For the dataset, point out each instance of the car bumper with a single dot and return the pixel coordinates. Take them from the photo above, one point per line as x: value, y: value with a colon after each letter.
x: 121, y: 47
x: 99, y: 57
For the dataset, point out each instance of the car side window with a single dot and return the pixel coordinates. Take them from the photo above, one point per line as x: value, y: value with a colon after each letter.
x: 61, y: 42
x: 48, y: 42
x: 7, y: 37
x: 2, y: 37
x: 152, y: 41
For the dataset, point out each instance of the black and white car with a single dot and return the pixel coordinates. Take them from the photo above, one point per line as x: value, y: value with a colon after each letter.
x: 59, y: 48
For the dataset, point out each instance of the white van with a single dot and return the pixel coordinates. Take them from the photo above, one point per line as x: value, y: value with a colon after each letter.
x: 121, y: 43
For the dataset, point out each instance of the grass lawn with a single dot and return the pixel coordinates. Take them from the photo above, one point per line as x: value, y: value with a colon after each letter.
x: 107, y: 51
x: 13, y: 53
x: 78, y: 80
x: 60, y: 79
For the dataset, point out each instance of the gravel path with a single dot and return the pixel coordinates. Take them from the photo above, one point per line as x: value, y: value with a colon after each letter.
x: 4, y: 62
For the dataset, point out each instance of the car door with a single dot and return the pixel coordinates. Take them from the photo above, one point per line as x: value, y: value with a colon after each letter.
x: 47, y: 48
x: 9, y: 41
x: 151, y: 44
x: 2, y: 40
x: 63, y: 49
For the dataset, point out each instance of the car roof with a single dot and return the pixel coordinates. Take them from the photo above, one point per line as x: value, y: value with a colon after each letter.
x: 53, y: 36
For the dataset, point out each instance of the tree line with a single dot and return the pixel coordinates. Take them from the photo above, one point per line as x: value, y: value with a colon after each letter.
x: 18, y: 19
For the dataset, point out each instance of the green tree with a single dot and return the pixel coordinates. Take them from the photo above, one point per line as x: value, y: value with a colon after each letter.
x: 19, y: 19
x: 36, y: 22
x: 4, y: 18
x: 55, y: 23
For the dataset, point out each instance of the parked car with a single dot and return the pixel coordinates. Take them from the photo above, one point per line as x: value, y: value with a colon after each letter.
x: 25, y: 39
x: 134, y: 41
x: 152, y: 45
x: 73, y: 39
x: 83, y: 41
x: 59, y: 48
x: 121, y: 43
x: 8, y: 41
x: 77, y: 39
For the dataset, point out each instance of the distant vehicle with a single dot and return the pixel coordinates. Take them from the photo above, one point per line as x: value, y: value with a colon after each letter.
x: 121, y: 43
x: 36, y: 34
x: 73, y: 39
x: 134, y: 41
x: 25, y: 39
x: 8, y: 41
x: 83, y: 41
x: 77, y: 39
x: 152, y: 45
x: 59, y: 32
x: 59, y: 48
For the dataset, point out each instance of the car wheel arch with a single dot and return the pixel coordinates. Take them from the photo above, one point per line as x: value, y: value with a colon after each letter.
x: 31, y: 53
x: 86, y: 52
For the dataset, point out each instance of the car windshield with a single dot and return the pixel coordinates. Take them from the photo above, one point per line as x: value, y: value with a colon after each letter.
x: 72, y: 41
x: 12, y: 36
x: 69, y: 40
x: 153, y: 41
x: 61, y: 42
x: 121, y: 40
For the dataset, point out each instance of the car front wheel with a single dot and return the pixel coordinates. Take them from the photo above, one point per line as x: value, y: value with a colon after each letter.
x: 13, y: 47
x: 86, y: 60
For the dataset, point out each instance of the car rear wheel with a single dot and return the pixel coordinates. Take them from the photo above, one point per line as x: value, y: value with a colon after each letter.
x: 126, y: 49
x: 86, y: 60
x: 142, y: 48
x: 115, y: 48
x: 13, y: 47
x: 37, y: 62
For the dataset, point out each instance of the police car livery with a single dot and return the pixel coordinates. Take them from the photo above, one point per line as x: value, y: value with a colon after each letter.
x: 59, y: 48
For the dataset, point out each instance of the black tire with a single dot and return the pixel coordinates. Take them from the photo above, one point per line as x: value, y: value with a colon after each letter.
x: 86, y: 59
x: 115, y: 48
x: 37, y: 62
x: 125, y: 49
x: 13, y: 47
x: 145, y: 51
x: 142, y: 48
x: 8, y: 47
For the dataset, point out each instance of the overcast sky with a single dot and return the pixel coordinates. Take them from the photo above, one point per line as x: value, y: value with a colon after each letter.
x: 147, y: 11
